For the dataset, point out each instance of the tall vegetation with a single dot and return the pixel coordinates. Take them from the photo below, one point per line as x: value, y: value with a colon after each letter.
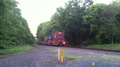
x: 13, y: 27
x: 85, y: 23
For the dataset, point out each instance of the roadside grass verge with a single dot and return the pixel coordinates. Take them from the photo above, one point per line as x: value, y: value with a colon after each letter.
x: 15, y: 49
x: 106, y: 46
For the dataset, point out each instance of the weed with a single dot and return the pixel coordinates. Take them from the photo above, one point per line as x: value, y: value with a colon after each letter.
x: 56, y: 55
x: 72, y: 57
x: 109, y: 58
x: 50, y: 49
x: 102, y: 59
x: 118, y: 59
x: 75, y: 63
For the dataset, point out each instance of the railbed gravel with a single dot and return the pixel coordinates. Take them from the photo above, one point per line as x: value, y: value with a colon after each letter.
x: 44, y: 56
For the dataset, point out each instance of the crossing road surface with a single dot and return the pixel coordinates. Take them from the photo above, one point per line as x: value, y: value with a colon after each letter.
x: 46, y: 56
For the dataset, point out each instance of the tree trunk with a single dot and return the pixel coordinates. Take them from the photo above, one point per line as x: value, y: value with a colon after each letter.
x: 112, y: 40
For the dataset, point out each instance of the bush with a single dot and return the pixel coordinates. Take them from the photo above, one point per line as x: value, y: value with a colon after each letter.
x: 86, y: 42
x: 2, y: 46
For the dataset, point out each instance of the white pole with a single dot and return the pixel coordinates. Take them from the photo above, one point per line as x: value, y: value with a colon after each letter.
x: 58, y: 54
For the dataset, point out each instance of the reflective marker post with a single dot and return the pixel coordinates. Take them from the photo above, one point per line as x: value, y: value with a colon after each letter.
x: 58, y: 54
x: 61, y: 55
x: 93, y: 63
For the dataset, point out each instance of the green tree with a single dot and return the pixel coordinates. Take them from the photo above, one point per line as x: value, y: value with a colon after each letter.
x: 74, y: 29
x: 103, y: 24
x: 111, y: 25
x: 117, y: 17
x: 13, y: 27
x: 93, y: 19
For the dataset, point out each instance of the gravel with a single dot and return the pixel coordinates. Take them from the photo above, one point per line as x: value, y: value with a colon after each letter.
x: 44, y: 57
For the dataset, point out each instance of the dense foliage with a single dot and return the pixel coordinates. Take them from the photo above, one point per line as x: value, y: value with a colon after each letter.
x: 85, y: 23
x: 13, y: 27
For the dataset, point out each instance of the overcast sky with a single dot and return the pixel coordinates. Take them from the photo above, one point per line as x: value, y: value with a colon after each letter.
x: 38, y: 11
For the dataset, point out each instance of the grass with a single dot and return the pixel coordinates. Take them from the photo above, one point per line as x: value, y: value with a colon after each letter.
x: 72, y: 57
x: 68, y: 56
x: 15, y: 49
x: 75, y: 63
x: 106, y: 46
x: 56, y: 55
x: 50, y: 49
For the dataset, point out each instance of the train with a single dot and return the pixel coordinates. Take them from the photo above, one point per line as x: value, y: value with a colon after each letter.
x: 56, y: 38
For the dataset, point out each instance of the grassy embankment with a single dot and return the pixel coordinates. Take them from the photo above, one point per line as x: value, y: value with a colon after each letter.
x: 15, y: 49
x: 106, y: 46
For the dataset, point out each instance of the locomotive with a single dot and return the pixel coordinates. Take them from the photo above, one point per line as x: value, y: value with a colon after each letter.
x: 56, y: 38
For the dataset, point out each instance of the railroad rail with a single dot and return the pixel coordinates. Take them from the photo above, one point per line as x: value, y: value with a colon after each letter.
x: 96, y: 49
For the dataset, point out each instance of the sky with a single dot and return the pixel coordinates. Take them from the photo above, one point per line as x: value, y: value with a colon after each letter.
x: 38, y: 11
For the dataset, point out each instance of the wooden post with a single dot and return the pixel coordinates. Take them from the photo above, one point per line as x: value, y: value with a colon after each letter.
x: 58, y: 54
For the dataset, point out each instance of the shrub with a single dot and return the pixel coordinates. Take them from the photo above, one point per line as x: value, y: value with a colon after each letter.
x: 2, y: 46
x: 86, y: 42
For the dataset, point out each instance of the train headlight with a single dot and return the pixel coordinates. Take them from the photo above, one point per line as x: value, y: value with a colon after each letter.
x: 64, y: 42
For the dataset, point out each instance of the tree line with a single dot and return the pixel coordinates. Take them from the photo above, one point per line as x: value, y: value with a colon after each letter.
x: 84, y: 23
x: 13, y: 27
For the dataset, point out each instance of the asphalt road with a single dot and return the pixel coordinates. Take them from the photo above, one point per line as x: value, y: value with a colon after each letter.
x: 46, y: 56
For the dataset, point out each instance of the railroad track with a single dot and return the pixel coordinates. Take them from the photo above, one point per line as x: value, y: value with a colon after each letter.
x: 97, y: 49
x: 87, y: 48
